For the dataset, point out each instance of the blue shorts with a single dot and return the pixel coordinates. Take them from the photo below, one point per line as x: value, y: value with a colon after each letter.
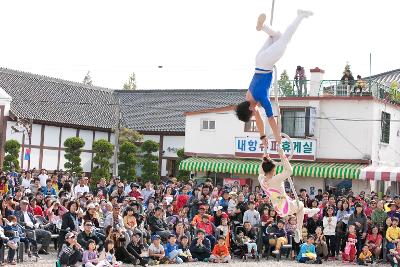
x: 259, y: 89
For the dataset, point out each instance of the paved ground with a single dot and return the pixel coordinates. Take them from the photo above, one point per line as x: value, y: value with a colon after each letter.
x: 49, y: 260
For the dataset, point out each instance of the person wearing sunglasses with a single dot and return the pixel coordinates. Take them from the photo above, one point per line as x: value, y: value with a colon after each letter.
x: 88, y: 234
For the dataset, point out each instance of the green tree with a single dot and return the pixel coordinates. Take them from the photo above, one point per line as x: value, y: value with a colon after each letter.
x: 131, y: 83
x: 73, y: 150
x: 103, y: 151
x: 127, y: 161
x: 126, y: 134
x: 182, y: 174
x: 11, y: 148
x: 149, y: 161
x: 347, y: 69
x: 284, y: 85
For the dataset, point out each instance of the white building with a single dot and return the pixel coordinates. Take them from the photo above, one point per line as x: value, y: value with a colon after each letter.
x: 336, y: 135
x: 57, y: 110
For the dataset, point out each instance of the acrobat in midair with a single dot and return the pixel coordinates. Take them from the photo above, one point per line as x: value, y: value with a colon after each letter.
x: 258, y: 93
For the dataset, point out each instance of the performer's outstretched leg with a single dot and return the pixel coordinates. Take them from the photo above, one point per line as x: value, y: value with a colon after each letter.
x: 274, y: 49
x: 298, y: 208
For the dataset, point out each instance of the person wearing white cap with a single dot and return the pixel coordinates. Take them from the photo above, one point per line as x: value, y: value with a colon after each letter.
x: 71, y: 251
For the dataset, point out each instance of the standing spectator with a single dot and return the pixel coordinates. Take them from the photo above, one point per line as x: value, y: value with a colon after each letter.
x: 200, y: 247
x: 319, y: 195
x: 343, y: 215
x: 301, y: 81
x: 313, y: 223
x: 329, y: 223
x: 379, y: 215
x: 81, y: 188
x: 43, y: 177
x: 359, y: 220
x: 350, y: 251
x: 251, y: 215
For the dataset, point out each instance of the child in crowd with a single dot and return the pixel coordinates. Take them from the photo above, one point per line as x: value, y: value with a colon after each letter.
x: 349, y: 253
x: 107, y: 257
x: 224, y: 229
x: 393, y: 234
x: 135, y: 248
x: 208, y: 227
x: 365, y: 256
x: 394, y: 256
x: 71, y: 251
x: 320, y: 243
x: 156, y: 251
x: 184, y: 252
x: 172, y: 250
x: 278, y: 237
x: 307, y: 252
x: 220, y: 253
x: 90, y: 257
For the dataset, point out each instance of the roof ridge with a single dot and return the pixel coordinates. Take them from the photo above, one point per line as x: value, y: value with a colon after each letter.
x: 58, y: 80
x: 177, y: 90
x: 383, y: 73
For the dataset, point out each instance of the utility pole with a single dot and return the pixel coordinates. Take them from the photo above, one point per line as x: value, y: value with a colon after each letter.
x: 116, y: 137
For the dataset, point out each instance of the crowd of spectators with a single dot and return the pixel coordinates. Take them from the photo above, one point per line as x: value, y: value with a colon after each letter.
x: 175, y: 222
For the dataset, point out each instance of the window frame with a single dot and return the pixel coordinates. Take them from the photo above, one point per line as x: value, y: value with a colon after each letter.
x: 208, y: 125
x: 385, y: 129
x: 253, y: 127
x: 295, y: 109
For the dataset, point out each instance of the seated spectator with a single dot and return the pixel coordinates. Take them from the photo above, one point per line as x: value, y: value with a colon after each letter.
x: 135, y: 248
x: 88, y: 234
x: 393, y: 213
x: 220, y: 253
x: 114, y: 219
x: 90, y: 256
x: 394, y: 255
x: 199, y: 217
x: 107, y: 257
x: 27, y: 220
x: 200, y: 247
x: 49, y: 190
x: 379, y: 215
x: 157, y: 224
x: 120, y: 242
x: 393, y: 234
x: 365, y: 256
x: 172, y: 250
x: 307, y: 252
x: 156, y: 251
x: 134, y: 191
x: 374, y: 242
x: 71, y: 251
x: 184, y: 249
x: 277, y: 238
x: 208, y: 228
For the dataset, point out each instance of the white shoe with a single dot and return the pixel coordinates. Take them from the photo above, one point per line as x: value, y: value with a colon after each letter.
x: 311, y: 212
x: 260, y: 21
x: 275, y: 252
x: 297, y: 236
x: 304, y: 13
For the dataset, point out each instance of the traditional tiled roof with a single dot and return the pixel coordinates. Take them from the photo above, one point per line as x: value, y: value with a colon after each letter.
x: 164, y: 110
x: 49, y: 99
x: 386, y: 78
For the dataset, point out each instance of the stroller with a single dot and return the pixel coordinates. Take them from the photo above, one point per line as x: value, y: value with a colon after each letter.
x: 240, y: 249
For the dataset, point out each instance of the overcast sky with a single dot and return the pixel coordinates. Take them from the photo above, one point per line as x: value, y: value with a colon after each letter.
x: 200, y: 44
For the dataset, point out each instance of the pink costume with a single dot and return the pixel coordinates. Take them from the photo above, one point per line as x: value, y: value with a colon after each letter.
x: 274, y: 188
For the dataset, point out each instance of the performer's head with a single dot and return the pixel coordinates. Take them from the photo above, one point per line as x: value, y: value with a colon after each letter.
x: 268, y: 166
x: 244, y: 111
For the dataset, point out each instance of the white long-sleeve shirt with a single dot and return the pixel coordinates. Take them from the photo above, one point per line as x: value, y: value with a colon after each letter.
x: 252, y: 216
x: 329, y: 227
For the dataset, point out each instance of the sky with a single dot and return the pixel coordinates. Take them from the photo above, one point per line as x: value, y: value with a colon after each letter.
x: 199, y: 44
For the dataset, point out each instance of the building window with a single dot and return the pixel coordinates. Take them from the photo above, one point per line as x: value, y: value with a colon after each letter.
x: 250, y: 126
x: 207, y: 125
x: 293, y: 122
x: 385, y: 127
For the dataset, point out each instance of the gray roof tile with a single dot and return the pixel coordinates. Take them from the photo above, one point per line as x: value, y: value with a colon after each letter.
x: 54, y: 100
x: 386, y: 78
x: 163, y: 110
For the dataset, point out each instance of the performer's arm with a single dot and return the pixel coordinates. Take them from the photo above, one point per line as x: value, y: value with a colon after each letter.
x: 287, y: 168
x: 260, y: 125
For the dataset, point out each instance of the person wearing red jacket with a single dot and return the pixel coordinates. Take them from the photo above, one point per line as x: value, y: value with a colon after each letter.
x: 208, y: 227
x: 182, y: 198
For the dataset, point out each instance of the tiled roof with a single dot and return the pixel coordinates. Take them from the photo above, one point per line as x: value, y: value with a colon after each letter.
x: 386, y: 78
x: 163, y: 110
x: 54, y: 100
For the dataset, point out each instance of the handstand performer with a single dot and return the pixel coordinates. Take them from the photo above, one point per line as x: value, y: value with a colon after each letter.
x: 258, y: 93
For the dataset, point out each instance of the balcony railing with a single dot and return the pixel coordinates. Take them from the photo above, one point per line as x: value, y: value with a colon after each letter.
x: 356, y: 88
x: 295, y: 88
